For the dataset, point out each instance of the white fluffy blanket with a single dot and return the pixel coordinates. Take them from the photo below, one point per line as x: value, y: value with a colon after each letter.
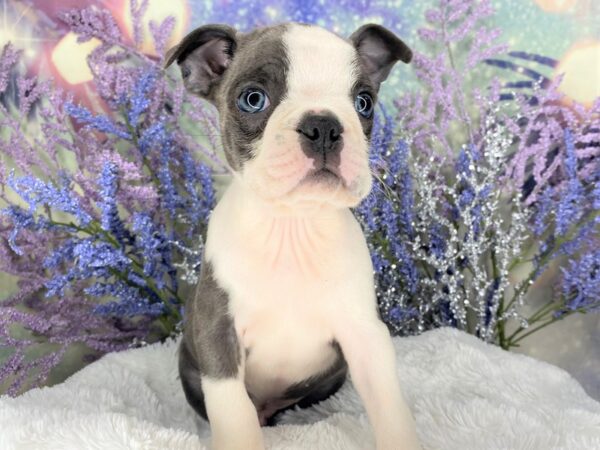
x: 464, y: 395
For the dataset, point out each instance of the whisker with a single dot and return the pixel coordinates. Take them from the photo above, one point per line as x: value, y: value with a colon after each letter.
x: 386, y: 190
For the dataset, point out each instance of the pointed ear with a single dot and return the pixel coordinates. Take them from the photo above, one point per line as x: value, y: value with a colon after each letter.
x: 379, y: 49
x: 203, y: 57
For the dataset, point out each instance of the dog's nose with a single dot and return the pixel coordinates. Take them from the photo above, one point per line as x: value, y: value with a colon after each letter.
x: 320, y: 133
x: 320, y: 128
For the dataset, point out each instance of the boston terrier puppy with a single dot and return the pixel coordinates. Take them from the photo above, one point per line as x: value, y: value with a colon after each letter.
x: 285, y: 305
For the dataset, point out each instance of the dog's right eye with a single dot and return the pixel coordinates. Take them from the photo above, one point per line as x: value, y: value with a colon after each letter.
x: 253, y: 100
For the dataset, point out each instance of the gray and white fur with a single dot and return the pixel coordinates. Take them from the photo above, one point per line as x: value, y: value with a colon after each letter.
x: 285, y: 306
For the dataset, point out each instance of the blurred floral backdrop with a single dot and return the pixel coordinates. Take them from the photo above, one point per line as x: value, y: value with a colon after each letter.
x: 484, y: 216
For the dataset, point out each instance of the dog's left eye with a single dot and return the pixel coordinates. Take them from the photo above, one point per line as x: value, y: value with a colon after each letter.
x: 363, y: 103
x: 253, y: 100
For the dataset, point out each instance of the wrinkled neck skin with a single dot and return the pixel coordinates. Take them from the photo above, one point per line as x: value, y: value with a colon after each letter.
x: 312, y: 240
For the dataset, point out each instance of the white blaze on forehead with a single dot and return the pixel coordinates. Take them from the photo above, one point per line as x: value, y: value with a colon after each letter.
x: 321, y: 63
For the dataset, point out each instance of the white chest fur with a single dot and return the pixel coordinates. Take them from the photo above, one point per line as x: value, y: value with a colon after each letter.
x: 286, y: 276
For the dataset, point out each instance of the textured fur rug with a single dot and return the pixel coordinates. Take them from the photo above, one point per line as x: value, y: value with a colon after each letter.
x: 464, y: 395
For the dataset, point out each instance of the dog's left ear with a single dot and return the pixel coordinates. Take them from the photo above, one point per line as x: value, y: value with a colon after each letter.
x: 379, y: 49
x: 203, y: 56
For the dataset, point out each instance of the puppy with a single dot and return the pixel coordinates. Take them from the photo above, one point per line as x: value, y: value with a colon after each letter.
x: 286, y: 303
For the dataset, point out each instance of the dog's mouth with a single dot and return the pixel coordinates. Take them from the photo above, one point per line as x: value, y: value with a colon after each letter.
x: 325, y: 176
x: 322, y: 185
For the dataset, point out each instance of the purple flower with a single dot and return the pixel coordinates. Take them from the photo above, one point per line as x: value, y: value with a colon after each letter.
x: 30, y: 92
x: 139, y: 101
x: 571, y: 200
x: 20, y: 219
x: 137, y: 279
x: 161, y: 33
x: 109, y: 218
x: 58, y: 283
x: 155, y: 135
x: 476, y: 210
x: 209, y: 198
x: 380, y: 263
x: 489, y: 305
x: 37, y: 192
x: 406, y: 264
x: 437, y: 240
x: 95, y: 257
x: 63, y: 253
x: 402, y: 315
x: 63, y: 322
x: 382, y: 133
x: 366, y: 211
x: 447, y: 316
x: 464, y: 171
x: 464, y: 162
x: 8, y: 58
x: 400, y: 172
x: 152, y: 244
x: 99, y: 122
x: 170, y: 197
x: 140, y: 168
x: 137, y: 13
x: 92, y: 22
x: 133, y: 305
x: 131, y: 301
x: 581, y: 282
x: 466, y: 197
x: 248, y: 14
x: 596, y: 194
x: 91, y: 259
x: 198, y: 175
x: 583, y: 236
x: 544, y: 207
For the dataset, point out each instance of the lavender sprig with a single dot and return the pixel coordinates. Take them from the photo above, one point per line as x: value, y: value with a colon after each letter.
x: 80, y: 243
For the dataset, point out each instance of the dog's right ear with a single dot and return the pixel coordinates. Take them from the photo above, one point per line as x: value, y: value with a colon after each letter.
x: 203, y: 56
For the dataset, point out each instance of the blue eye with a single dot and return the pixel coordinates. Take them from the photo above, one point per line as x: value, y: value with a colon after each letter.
x: 363, y: 103
x: 253, y: 100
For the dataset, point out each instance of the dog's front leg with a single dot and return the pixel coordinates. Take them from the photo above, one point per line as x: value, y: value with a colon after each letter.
x: 212, y: 352
x: 232, y: 415
x: 369, y: 352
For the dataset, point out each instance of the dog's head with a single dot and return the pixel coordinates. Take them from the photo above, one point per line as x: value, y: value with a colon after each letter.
x: 295, y: 102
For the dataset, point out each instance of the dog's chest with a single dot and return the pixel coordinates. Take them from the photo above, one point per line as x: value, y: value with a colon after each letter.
x: 285, y: 344
x: 286, y: 281
x: 283, y: 288
x: 281, y: 305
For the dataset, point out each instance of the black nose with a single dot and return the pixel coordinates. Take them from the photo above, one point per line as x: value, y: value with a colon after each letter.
x: 320, y: 134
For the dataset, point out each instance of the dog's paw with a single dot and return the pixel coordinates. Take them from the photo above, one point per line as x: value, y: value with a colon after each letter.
x: 400, y: 446
x: 239, y: 441
x: 238, y: 445
x: 398, y: 443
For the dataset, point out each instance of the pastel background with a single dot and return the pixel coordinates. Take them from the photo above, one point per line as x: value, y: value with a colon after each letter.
x: 566, y: 30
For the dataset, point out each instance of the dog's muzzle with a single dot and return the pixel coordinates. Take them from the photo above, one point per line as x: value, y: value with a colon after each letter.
x: 321, y: 140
